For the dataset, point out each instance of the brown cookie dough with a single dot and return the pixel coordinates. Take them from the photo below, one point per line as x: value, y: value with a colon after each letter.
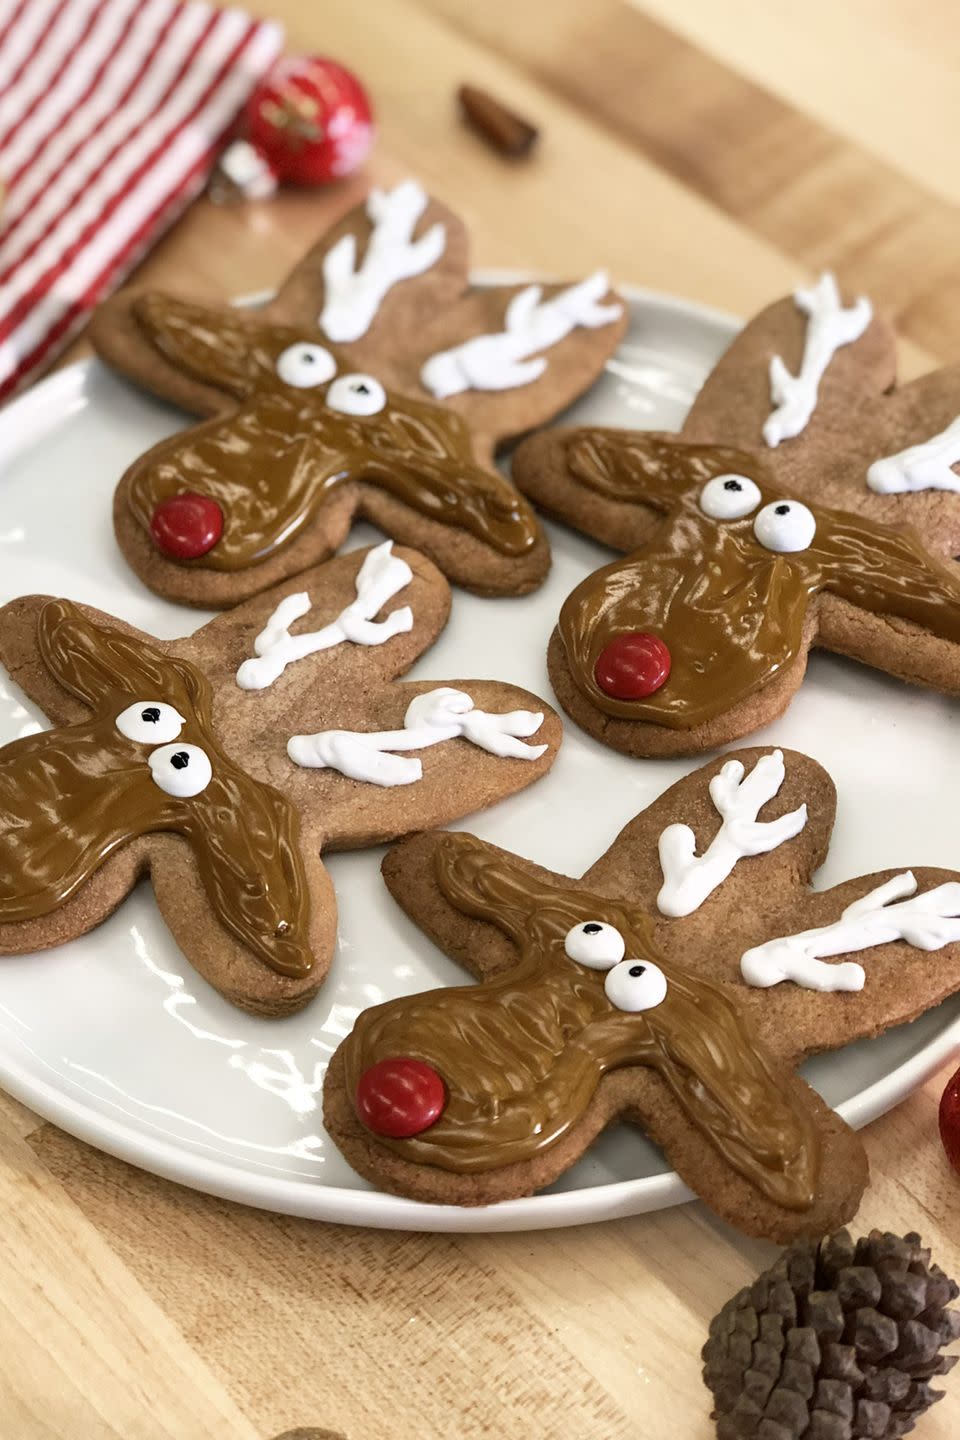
x: 553, y: 1044
x: 377, y: 384
x: 160, y: 762
x: 735, y: 606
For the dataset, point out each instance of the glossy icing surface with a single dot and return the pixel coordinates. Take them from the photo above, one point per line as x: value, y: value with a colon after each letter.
x: 275, y: 461
x: 76, y: 794
x: 522, y: 1055
x: 731, y: 611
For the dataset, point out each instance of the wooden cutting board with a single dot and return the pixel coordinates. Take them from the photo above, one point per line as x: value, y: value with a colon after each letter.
x: 717, y: 151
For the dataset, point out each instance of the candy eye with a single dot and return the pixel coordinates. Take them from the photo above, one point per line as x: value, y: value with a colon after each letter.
x: 180, y: 770
x: 636, y: 985
x: 304, y: 366
x: 785, y: 526
x: 729, y: 497
x: 356, y: 395
x: 594, y: 944
x: 150, y: 722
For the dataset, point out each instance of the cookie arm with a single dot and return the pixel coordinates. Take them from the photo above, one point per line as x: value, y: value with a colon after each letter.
x: 509, y: 358
x: 615, y: 484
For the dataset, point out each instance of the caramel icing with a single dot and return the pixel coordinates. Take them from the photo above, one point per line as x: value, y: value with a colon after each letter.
x: 522, y: 1054
x: 72, y: 796
x: 273, y: 463
x: 731, y: 612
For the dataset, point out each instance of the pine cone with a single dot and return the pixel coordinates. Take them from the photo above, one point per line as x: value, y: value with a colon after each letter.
x: 835, y: 1341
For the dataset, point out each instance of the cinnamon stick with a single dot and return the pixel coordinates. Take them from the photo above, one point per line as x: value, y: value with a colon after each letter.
x: 503, y: 129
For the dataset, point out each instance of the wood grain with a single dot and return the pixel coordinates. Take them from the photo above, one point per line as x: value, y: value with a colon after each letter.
x: 715, y: 151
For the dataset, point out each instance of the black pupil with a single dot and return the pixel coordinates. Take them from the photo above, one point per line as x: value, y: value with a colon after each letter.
x: 637, y: 970
x: 151, y: 715
x: 180, y: 761
x: 732, y: 485
x: 782, y: 510
x: 309, y: 357
x: 362, y: 389
x: 592, y: 929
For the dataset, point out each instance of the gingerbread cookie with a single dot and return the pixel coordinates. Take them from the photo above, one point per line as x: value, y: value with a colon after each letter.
x: 211, y: 762
x: 376, y: 384
x: 741, y: 559
x: 678, y: 985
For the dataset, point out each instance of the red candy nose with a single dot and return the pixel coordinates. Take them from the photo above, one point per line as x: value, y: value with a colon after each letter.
x: 632, y: 666
x: 187, y: 526
x: 400, y: 1098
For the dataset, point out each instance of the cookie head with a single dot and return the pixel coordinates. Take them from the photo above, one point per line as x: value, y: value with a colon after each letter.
x: 478, y: 1077
x: 720, y: 600
x: 146, y: 761
x: 235, y: 490
x: 703, y: 615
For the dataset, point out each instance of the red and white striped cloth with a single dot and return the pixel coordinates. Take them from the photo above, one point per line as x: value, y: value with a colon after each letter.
x: 111, y: 116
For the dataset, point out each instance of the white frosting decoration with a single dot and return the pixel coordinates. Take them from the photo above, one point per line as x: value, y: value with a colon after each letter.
x: 829, y: 327
x: 920, y: 467
x: 785, y: 527
x: 688, y: 878
x: 928, y: 921
x: 304, y: 366
x: 431, y: 718
x: 353, y: 295
x: 503, y: 360
x: 381, y: 576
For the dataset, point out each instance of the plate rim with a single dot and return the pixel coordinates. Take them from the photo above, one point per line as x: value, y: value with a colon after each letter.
x: 66, y: 388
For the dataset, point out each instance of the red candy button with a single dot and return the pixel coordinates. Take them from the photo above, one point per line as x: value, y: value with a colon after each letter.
x: 187, y: 526
x: 633, y: 666
x: 400, y: 1098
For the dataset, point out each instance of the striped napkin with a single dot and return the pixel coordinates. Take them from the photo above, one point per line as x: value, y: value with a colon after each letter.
x: 111, y: 115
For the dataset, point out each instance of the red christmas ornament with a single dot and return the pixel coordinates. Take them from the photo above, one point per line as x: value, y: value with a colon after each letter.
x: 950, y: 1120
x: 309, y: 122
x: 400, y: 1098
x: 632, y: 666
x: 187, y: 526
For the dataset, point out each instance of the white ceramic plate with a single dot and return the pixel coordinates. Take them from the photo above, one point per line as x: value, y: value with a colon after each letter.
x: 114, y: 1037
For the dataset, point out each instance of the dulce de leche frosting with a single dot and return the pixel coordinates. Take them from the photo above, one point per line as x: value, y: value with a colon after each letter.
x: 522, y: 1055
x: 284, y: 453
x: 72, y: 796
x: 731, y: 612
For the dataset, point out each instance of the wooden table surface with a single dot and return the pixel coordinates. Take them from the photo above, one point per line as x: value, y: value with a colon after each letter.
x: 719, y: 151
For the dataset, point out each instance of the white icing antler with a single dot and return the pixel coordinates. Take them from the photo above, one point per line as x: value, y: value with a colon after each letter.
x: 928, y: 921
x: 381, y: 576
x: 689, y: 878
x: 352, y: 294
x: 503, y: 360
x: 438, y: 715
x: 920, y: 467
x: 829, y: 327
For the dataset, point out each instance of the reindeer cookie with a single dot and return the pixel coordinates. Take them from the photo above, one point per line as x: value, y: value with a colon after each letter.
x: 376, y: 384
x: 678, y: 985
x: 742, y: 559
x: 211, y: 762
